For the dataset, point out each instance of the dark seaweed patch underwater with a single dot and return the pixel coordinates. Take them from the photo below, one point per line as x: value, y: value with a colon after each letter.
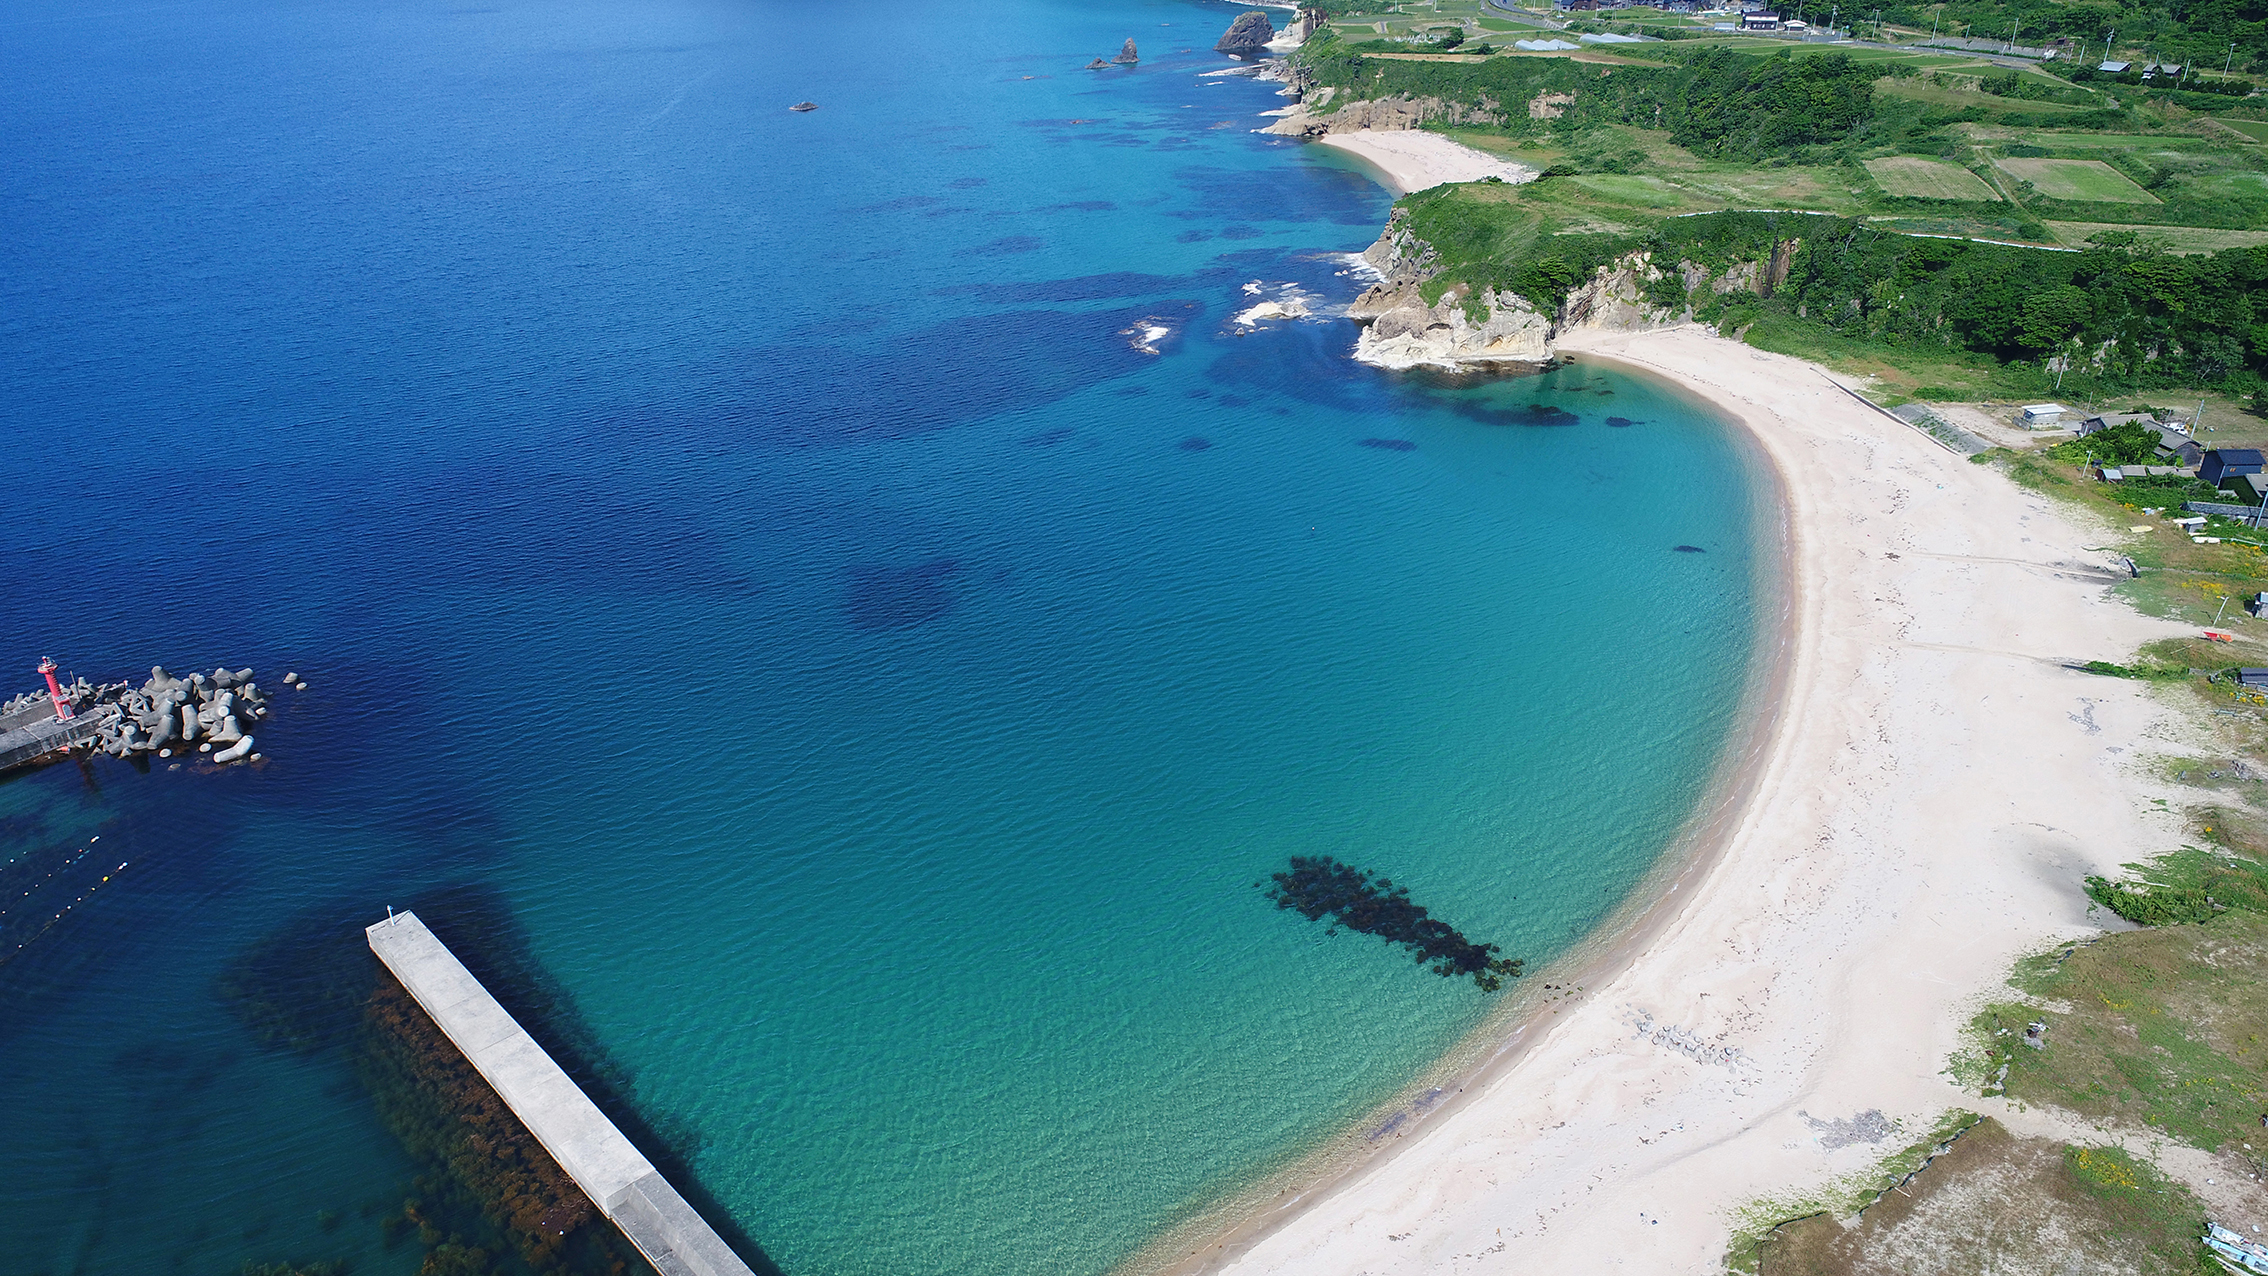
x: 1318, y: 884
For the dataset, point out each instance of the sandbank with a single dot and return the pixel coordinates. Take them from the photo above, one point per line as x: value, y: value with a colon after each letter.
x: 1924, y: 784
x: 1413, y: 160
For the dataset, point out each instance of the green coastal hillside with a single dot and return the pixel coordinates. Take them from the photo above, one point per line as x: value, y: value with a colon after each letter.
x: 2217, y: 35
x: 1990, y: 232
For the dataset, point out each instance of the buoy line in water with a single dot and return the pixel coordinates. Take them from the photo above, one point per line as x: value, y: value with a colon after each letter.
x: 27, y: 855
x: 83, y: 853
x: 60, y: 913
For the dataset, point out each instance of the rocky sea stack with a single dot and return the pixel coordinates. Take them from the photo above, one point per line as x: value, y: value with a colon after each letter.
x: 1248, y: 36
x: 1127, y: 56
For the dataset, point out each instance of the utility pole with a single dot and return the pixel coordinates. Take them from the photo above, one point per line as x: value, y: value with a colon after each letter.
x: 1939, y: 16
x: 2231, y: 58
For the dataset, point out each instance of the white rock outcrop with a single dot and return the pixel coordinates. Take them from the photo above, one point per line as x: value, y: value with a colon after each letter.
x: 1460, y: 329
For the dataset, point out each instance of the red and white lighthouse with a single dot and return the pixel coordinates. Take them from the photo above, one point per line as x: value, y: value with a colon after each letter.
x: 55, y: 692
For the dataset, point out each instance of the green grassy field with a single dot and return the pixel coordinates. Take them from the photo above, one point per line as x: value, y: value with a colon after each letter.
x: 2233, y: 185
x: 2086, y: 181
x: 1966, y: 99
x: 2004, y: 230
x: 2257, y: 130
x: 2162, y: 1030
x: 2178, y: 239
x: 2095, y: 141
x: 1916, y: 178
x: 1635, y: 191
x: 1667, y: 178
x: 2202, y: 189
x: 2083, y: 1209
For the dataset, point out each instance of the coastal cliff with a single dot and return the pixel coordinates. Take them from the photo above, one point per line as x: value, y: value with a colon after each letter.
x: 1310, y: 118
x: 1463, y: 326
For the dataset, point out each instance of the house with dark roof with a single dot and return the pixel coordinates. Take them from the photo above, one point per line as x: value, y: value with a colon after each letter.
x: 2225, y: 463
x: 2113, y: 420
x: 2173, y: 445
x: 2180, y: 448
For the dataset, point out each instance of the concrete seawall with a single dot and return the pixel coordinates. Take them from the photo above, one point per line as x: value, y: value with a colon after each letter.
x: 618, y: 1179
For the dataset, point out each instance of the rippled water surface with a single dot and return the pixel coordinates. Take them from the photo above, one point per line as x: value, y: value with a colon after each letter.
x: 743, y: 550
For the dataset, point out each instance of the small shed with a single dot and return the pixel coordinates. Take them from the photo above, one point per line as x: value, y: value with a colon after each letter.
x: 1760, y: 22
x: 2222, y: 464
x: 2252, y: 677
x: 2040, y: 416
x: 2113, y: 68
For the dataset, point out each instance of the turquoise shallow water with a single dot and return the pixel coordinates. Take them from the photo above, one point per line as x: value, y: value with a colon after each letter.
x: 744, y: 547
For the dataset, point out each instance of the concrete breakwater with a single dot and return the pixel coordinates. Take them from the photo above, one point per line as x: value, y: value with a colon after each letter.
x: 605, y: 1165
x: 212, y: 715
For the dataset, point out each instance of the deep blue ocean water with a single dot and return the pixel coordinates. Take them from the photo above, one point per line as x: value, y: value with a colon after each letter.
x: 743, y: 547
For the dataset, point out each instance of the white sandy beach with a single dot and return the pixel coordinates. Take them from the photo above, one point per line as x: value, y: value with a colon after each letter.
x: 1414, y: 160
x: 1918, y: 816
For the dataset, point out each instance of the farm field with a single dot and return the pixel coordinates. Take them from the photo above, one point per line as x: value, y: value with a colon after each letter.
x: 2232, y: 185
x: 2179, y: 239
x: 2099, y: 141
x: 2257, y: 130
x: 2087, y: 181
x: 1968, y: 99
x: 1668, y: 178
x: 2006, y: 230
x: 1916, y: 178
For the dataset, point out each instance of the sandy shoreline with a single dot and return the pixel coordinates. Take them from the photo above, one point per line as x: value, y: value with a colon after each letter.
x: 1412, y: 160
x: 1924, y: 786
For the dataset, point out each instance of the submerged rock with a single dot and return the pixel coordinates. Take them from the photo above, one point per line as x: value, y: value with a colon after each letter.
x: 1098, y: 65
x: 1248, y: 36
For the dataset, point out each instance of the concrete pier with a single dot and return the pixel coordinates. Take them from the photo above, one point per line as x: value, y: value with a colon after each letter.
x: 621, y: 1182
x: 46, y: 734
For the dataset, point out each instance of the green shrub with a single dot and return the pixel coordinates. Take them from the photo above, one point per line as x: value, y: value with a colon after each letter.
x: 2187, y: 887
